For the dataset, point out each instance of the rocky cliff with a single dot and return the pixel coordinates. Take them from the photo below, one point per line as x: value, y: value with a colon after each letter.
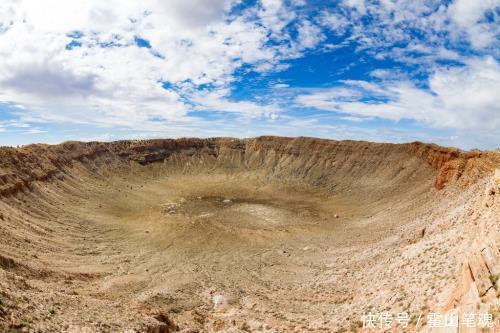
x: 312, y: 160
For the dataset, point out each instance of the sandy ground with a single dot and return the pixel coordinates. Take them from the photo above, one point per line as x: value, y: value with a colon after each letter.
x: 158, y: 250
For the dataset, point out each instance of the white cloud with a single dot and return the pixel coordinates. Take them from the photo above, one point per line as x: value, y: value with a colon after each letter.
x: 458, y: 97
x: 356, y: 119
x: 275, y: 15
x: 430, y: 22
x: 310, y: 35
x: 329, y: 99
x: 215, y: 101
x: 193, y: 43
x: 359, y: 5
x: 334, y: 21
x: 468, y: 16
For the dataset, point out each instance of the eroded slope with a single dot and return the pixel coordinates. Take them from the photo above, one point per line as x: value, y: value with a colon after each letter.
x: 268, y: 234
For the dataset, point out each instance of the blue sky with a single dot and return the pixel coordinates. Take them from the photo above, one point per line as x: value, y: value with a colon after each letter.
x: 385, y: 71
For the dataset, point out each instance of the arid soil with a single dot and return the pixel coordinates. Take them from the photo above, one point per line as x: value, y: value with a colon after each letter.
x: 259, y: 235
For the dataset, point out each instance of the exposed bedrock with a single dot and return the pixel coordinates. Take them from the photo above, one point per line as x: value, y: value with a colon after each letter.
x: 315, y: 161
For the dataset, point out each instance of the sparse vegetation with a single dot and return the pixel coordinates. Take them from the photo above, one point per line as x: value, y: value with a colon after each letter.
x: 494, y: 280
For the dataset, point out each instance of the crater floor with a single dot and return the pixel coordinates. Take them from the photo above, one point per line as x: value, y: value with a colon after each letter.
x: 231, y: 245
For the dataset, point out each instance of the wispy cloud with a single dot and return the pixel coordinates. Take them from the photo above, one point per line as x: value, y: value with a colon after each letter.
x: 457, y: 97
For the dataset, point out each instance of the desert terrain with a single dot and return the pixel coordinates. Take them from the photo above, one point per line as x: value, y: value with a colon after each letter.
x: 267, y: 234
